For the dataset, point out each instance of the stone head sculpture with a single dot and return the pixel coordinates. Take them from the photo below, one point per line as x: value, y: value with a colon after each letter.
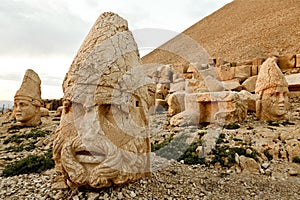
x: 102, y: 139
x: 272, y: 91
x: 27, y: 100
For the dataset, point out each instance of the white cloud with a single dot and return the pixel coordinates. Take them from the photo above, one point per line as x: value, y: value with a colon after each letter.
x: 45, y: 35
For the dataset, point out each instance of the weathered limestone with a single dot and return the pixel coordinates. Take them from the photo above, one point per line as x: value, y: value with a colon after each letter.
x: 176, y: 103
x: 242, y: 72
x: 217, y: 107
x: 233, y: 85
x: 103, y: 139
x: 293, y: 81
x: 297, y: 60
x: 286, y: 62
x: 27, y: 101
x: 272, y: 91
x: 226, y: 72
x: 250, y: 84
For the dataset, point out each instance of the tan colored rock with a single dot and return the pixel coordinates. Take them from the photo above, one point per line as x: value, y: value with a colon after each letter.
x: 250, y: 98
x: 293, y: 81
x: 272, y: 91
x: 217, y: 107
x: 27, y: 101
x: 102, y: 139
x: 161, y: 105
x: 193, y: 86
x: 165, y: 74
x: 232, y: 85
x: 44, y: 112
x: 185, y: 118
x: 248, y: 164
x: 59, y: 111
x: 242, y: 72
x: 162, y: 90
x: 293, y: 148
x: 226, y: 72
x: 250, y: 84
x: 297, y: 60
x: 176, y: 103
x: 256, y: 63
x: 286, y: 62
x: 180, y: 67
x: 178, y: 86
x: 213, y: 84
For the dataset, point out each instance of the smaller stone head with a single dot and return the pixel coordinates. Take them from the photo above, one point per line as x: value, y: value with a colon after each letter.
x: 27, y: 100
x: 272, y: 91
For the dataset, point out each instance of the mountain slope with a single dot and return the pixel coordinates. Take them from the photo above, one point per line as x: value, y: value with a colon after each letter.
x: 241, y: 30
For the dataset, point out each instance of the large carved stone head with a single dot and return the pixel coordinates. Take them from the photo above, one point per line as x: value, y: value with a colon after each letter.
x: 272, y: 91
x: 103, y: 139
x: 27, y: 100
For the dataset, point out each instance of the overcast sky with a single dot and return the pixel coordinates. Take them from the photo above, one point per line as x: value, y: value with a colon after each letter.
x: 45, y: 35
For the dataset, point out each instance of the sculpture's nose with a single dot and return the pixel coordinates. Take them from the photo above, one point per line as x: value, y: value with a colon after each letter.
x: 281, y: 98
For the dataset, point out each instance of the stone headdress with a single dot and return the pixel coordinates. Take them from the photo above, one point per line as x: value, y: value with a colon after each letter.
x: 270, y: 76
x: 30, y: 89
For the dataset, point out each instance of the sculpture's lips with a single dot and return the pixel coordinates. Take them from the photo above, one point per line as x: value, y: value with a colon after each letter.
x: 90, y: 157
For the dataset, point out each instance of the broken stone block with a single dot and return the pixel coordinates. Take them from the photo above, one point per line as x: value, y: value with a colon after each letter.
x: 249, y: 84
x: 176, y: 103
x: 286, y: 62
x: 293, y: 81
x: 217, y: 107
x: 250, y: 98
x: 242, y: 72
x: 232, y: 85
x: 103, y: 139
x: 226, y: 72
x: 298, y: 61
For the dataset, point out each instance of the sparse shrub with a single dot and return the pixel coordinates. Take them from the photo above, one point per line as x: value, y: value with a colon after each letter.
x: 296, y: 159
x: 272, y: 123
x: 19, y: 148
x: 34, y: 133
x: 268, y: 155
x: 174, y: 149
x: 226, y: 155
x: 155, y: 147
x: 220, y: 138
x: 232, y: 126
x: 190, y: 157
x: 30, y: 164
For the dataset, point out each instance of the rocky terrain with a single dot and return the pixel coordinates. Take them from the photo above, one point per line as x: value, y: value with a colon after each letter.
x: 241, y: 30
x: 270, y: 177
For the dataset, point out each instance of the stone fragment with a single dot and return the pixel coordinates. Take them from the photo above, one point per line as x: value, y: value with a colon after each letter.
x: 178, y: 86
x: 193, y: 86
x: 213, y: 84
x: 249, y: 84
x: 293, y: 81
x: 297, y: 60
x: 185, y: 118
x: 44, y: 112
x: 176, y: 103
x: 28, y: 101
x: 102, y: 139
x: 217, y: 107
x: 250, y: 98
x: 180, y: 67
x: 242, y: 72
x: 272, y: 91
x: 232, y: 85
x: 162, y: 90
x: 226, y: 72
x: 293, y: 148
x: 286, y: 62
x: 248, y: 164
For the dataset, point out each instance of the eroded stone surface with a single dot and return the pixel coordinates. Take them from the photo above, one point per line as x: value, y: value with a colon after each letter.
x: 27, y: 100
x: 103, y: 139
x: 272, y: 90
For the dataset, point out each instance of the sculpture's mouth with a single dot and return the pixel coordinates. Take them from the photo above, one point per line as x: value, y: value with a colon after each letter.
x: 90, y: 157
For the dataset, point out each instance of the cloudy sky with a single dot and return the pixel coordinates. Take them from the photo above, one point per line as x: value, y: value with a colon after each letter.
x: 45, y: 35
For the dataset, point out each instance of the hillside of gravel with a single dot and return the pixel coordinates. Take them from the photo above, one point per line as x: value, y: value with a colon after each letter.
x: 241, y: 30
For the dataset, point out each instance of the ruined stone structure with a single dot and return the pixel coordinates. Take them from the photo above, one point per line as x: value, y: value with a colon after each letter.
x: 272, y: 91
x: 27, y: 100
x: 103, y: 139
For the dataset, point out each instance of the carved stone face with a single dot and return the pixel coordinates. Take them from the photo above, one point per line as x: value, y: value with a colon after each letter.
x: 26, y: 113
x: 274, y: 103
